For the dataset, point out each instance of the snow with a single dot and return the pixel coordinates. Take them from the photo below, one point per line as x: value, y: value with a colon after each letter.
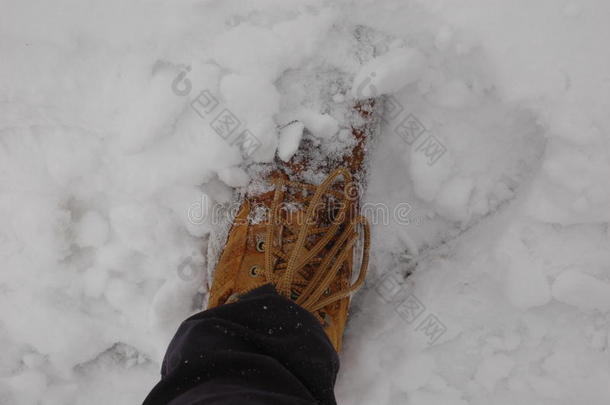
x: 492, y: 370
x: 92, y: 230
x: 493, y: 162
x: 234, y: 177
x: 290, y: 138
x: 582, y: 290
x: 525, y: 283
x: 320, y: 125
x: 388, y: 73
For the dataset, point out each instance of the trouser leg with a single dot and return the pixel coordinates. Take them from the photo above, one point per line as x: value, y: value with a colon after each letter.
x: 263, y: 349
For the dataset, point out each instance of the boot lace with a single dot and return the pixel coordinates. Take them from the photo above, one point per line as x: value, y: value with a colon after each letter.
x: 305, y: 249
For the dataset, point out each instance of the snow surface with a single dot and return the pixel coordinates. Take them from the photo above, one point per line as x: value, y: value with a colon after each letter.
x: 493, y: 164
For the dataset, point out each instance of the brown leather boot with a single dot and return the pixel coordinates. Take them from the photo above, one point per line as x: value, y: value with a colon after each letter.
x: 302, y: 237
x: 304, y: 247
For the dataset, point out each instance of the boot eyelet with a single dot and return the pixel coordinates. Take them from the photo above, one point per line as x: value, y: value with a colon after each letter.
x: 260, y: 245
x: 327, y: 292
x: 254, y: 271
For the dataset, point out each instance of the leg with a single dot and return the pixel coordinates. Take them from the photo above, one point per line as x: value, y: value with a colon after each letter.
x: 262, y: 349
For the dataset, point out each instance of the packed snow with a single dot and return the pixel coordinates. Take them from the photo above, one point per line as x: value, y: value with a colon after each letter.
x: 492, y: 162
x: 290, y: 138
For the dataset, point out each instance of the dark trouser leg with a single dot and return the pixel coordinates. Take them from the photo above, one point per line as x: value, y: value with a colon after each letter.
x: 263, y: 349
